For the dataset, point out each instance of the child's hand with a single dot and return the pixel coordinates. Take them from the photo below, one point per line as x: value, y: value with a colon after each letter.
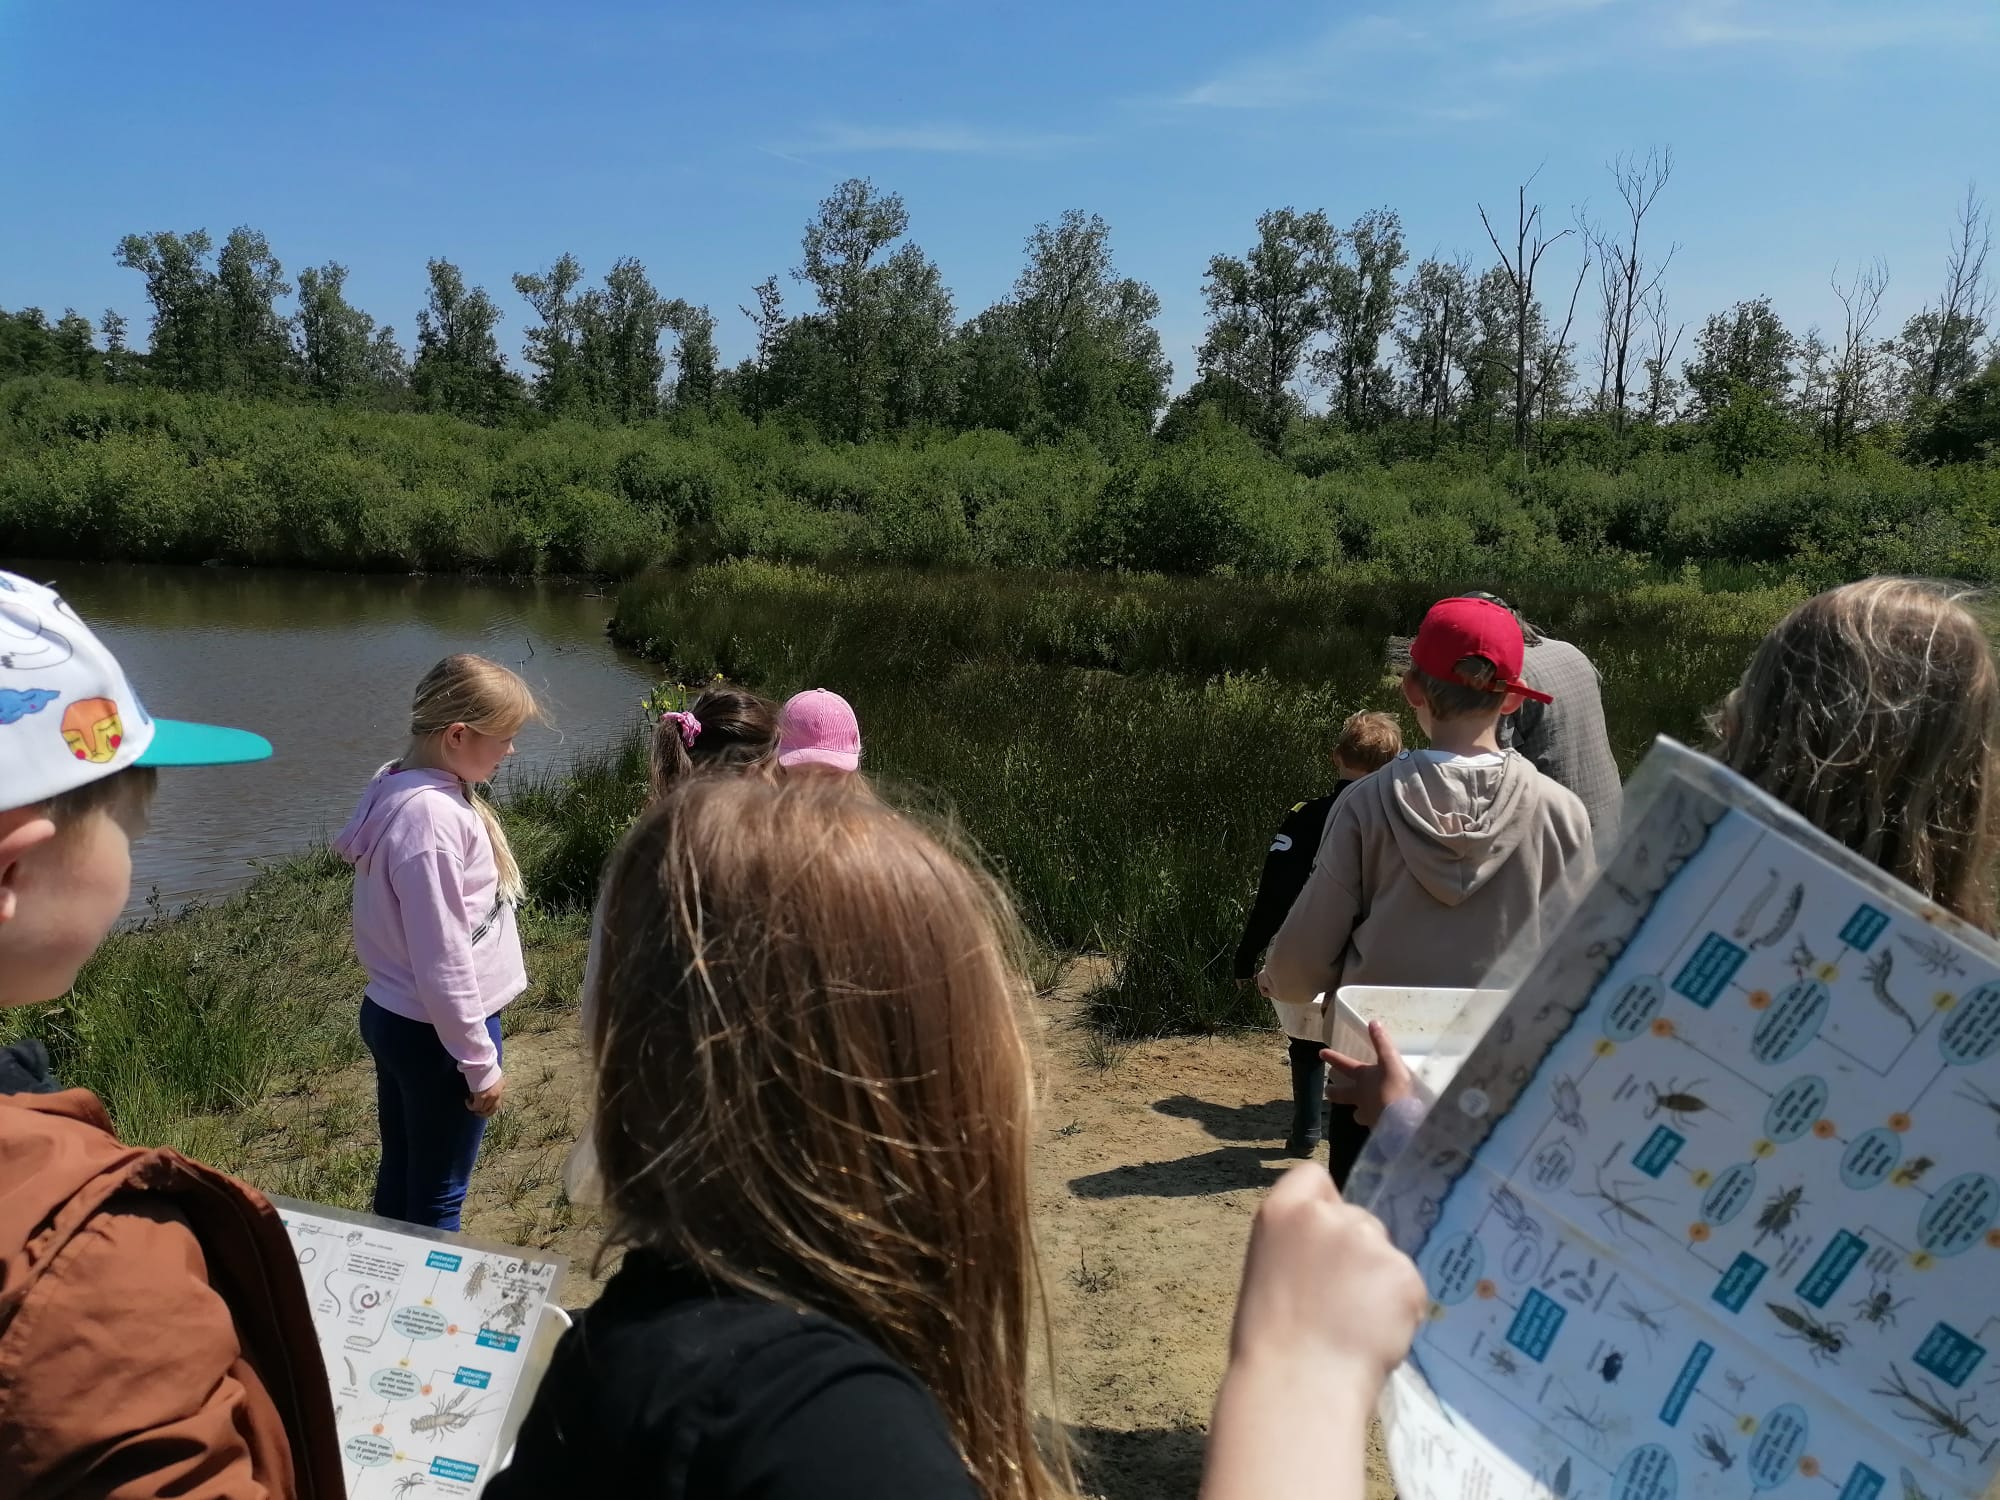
x: 486, y: 1103
x: 1322, y: 1286
x: 1370, y: 1087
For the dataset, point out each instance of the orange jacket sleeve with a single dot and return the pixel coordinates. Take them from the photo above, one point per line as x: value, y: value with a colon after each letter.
x: 122, y: 1376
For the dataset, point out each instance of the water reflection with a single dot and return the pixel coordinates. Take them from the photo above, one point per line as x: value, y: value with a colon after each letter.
x: 323, y: 665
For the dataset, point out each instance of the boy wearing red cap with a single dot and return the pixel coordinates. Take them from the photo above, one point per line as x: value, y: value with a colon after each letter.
x: 1430, y: 867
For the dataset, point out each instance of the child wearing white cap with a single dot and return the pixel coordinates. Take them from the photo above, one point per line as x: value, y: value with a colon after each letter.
x: 155, y: 1337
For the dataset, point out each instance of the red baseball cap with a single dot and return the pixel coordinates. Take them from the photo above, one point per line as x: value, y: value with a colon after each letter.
x: 1457, y: 628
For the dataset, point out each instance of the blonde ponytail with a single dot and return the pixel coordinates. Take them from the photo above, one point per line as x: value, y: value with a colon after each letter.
x: 485, y: 696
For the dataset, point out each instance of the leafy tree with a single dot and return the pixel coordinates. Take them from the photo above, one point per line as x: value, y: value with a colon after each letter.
x: 1266, y: 308
x: 859, y: 301
x: 695, y: 355
x: 185, y: 349
x: 1073, y: 349
x: 74, y: 347
x: 554, y: 346
x: 769, y: 321
x: 1965, y: 427
x: 255, y: 345
x: 120, y: 363
x: 337, y: 352
x: 1434, y: 340
x: 1360, y: 311
x: 458, y: 368
x: 1747, y: 348
x: 618, y: 364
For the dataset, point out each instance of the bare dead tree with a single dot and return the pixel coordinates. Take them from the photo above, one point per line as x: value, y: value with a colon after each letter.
x: 1854, y: 359
x: 1659, y: 364
x: 1950, y: 328
x: 1553, y: 356
x: 1531, y: 243
x: 1631, y: 277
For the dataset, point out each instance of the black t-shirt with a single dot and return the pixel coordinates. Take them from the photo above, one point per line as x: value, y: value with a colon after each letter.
x: 1286, y: 867
x: 669, y: 1389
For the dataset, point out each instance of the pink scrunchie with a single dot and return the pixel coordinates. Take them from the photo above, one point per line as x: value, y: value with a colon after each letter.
x: 690, y: 726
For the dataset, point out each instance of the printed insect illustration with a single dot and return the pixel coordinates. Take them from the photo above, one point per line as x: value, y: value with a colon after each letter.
x: 1621, y: 1205
x: 1708, y: 1443
x: 513, y: 1312
x: 1678, y: 1103
x: 1612, y: 1367
x: 1879, y: 1306
x: 1503, y: 1361
x: 407, y: 1483
x: 1950, y: 1424
x: 1804, y: 960
x: 1972, y: 1093
x: 352, y: 1378
x: 1824, y: 1340
x: 1739, y: 1385
x: 477, y: 1278
x: 1577, y: 1286
x: 1911, y: 1172
x: 1558, y: 1487
x: 1778, y: 1212
x: 1911, y: 1489
x: 1877, y: 974
x: 1782, y: 923
x: 1568, y: 1101
x: 1514, y: 1215
x: 1594, y: 1423
x: 1746, y: 923
x: 445, y: 1417
x: 1935, y: 955
x: 1648, y: 1320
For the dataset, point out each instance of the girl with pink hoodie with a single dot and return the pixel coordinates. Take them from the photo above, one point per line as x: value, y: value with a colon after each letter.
x: 435, y: 887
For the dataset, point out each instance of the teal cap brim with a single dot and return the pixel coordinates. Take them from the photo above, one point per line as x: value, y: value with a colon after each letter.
x: 176, y: 743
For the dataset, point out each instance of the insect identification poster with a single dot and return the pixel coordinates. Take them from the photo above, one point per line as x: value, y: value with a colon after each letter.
x: 1711, y: 1206
x: 426, y: 1336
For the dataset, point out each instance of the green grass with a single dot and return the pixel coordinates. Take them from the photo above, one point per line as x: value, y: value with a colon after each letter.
x: 1120, y: 749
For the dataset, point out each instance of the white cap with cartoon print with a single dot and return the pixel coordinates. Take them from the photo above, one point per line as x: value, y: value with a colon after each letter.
x: 69, y: 716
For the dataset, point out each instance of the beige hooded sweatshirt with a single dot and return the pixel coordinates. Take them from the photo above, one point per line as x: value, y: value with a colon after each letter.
x: 1426, y: 871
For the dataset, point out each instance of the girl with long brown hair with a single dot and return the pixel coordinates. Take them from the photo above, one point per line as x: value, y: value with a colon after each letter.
x: 435, y: 887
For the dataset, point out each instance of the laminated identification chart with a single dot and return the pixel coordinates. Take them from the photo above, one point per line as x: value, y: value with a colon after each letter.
x: 424, y: 1336
x: 1713, y: 1207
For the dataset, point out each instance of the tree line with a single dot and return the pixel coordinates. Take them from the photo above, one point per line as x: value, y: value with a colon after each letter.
x: 1316, y: 330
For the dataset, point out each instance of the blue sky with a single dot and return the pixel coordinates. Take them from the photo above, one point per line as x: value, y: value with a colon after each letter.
x: 699, y: 136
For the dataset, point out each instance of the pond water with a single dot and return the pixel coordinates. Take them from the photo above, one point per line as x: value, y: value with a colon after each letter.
x: 323, y: 665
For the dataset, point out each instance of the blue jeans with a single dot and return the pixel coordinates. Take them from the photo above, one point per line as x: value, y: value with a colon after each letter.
x: 429, y: 1138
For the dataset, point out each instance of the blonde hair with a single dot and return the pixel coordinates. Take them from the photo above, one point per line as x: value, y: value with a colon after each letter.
x: 486, y: 697
x: 1871, y: 710
x: 813, y: 1086
x: 1368, y: 741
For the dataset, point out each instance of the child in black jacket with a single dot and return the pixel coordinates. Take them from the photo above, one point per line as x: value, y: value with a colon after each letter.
x: 1368, y: 741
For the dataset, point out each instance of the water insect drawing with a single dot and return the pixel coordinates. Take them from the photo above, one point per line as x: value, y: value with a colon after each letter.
x: 1568, y: 1102
x: 1647, y: 1319
x: 445, y: 1417
x: 1911, y: 1172
x: 1779, y: 1211
x: 1514, y: 1215
x: 1941, y: 1423
x: 1877, y: 974
x: 477, y: 1278
x: 1747, y: 923
x: 1612, y: 1367
x: 1879, y: 1306
x: 1972, y: 1093
x: 1782, y: 923
x: 1824, y: 1341
x: 1678, y: 1103
x: 1708, y: 1443
x: 1935, y: 955
x: 1621, y: 1204
x: 1739, y: 1385
x: 1503, y: 1361
x: 1594, y: 1423
x: 407, y: 1483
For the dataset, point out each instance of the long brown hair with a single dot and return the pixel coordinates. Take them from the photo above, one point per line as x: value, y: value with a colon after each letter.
x: 1873, y: 710
x: 812, y: 1085
x: 485, y: 696
x: 733, y: 729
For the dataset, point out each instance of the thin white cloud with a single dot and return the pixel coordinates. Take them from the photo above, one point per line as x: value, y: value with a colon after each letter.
x: 1723, y: 24
x: 966, y: 140
x: 1538, y: 10
x: 1318, y: 70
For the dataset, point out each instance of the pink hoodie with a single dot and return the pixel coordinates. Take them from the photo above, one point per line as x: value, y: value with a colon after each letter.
x: 438, y: 943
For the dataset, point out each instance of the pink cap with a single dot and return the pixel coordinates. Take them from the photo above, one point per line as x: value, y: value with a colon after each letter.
x: 818, y: 728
